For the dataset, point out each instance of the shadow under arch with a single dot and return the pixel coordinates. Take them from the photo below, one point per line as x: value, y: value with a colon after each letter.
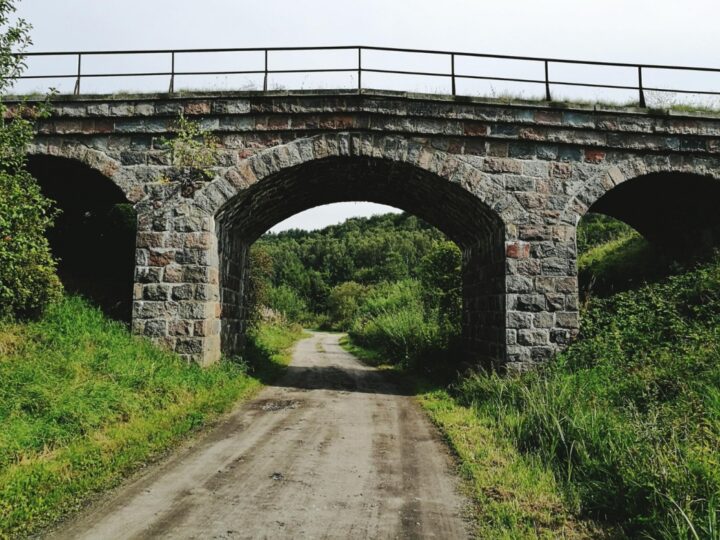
x: 93, y: 237
x: 461, y: 215
x: 676, y: 211
x: 674, y: 216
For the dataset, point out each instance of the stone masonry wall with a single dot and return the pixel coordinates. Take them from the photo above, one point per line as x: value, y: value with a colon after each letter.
x: 534, y: 169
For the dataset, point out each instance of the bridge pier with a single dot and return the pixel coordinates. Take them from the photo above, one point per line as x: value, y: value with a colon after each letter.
x: 541, y: 293
x: 176, y: 298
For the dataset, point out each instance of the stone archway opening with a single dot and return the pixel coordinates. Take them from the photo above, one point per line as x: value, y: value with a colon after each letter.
x: 94, y: 235
x: 458, y: 213
x: 654, y: 220
x: 677, y: 211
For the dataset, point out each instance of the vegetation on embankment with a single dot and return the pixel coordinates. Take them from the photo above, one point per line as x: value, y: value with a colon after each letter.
x: 628, y: 418
x: 83, y: 404
x: 620, y: 435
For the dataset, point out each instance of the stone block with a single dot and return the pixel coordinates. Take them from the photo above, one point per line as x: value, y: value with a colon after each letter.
x: 155, y: 292
x: 519, y: 319
x: 568, y: 319
x: 534, y: 337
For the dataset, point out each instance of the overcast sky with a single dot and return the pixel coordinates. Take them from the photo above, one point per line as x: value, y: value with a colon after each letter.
x: 648, y: 31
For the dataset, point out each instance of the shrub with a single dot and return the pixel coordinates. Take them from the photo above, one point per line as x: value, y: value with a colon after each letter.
x: 286, y: 300
x: 343, y: 304
x: 393, y: 322
x: 27, y: 270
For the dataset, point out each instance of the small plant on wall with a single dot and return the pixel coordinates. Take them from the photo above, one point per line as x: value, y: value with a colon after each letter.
x: 193, y: 153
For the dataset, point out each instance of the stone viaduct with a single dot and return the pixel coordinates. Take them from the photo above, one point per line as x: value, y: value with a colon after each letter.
x: 508, y: 182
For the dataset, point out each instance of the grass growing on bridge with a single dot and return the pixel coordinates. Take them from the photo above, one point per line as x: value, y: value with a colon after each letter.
x: 83, y: 403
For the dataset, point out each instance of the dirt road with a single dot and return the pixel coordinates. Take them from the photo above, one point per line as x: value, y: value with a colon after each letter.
x: 332, y: 450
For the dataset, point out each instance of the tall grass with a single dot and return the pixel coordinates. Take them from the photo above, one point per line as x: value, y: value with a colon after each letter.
x: 394, y: 322
x: 628, y: 418
x: 83, y: 403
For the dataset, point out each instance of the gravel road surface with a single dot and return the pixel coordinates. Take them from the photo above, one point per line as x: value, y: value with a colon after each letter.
x: 332, y: 450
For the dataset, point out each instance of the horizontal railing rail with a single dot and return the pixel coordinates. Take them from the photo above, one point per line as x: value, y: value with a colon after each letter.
x: 546, y: 83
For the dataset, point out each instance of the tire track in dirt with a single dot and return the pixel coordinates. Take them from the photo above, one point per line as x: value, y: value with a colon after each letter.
x: 332, y: 450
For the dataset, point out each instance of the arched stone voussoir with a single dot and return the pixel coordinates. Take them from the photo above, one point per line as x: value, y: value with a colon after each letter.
x: 96, y: 160
x: 389, y: 148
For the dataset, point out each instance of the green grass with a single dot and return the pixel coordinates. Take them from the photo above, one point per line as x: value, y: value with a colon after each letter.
x: 628, y: 418
x: 623, y: 263
x: 83, y: 404
x: 619, y: 436
x: 514, y: 496
x: 368, y: 356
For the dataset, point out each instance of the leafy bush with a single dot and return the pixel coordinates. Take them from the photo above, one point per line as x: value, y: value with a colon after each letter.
x: 343, y: 304
x: 28, y: 281
x: 286, y: 300
x: 27, y: 270
x: 393, y: 322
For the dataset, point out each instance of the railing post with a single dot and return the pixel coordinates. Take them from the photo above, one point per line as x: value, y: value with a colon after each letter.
x: 452, y: 72
x: 265, y: 77
x: 547, y: 82
x: 76, y: 91
x: 359, y: 69
x: 640, y: 88
x: 172, y: 72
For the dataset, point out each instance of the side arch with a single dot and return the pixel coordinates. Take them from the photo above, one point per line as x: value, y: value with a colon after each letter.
x: 93, y: 237
x: 120, y: 176
x: 604, y: 180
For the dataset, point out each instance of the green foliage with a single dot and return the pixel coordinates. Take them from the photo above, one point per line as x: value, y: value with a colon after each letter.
x: 392, y: 320
x: 392, y: 281
x: 83, y: 403
x: 319, y: 277
x: 440, y: 275
x: 628, y: 418
x: 257, y: 293
x: 287, y: 301
x: 344, y: 302
x: 27, y: 270
x: 597, y: 229
x: 192, y: 146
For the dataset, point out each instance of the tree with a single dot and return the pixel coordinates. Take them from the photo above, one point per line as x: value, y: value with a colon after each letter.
x: 343, y: 303
x: 27, y: 269
x: 440, y: 276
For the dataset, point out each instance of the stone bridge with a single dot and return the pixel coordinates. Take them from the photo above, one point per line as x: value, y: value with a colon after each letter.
x: 508, y: 182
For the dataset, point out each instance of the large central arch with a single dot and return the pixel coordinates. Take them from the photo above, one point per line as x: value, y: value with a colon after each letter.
x: 442, y: 190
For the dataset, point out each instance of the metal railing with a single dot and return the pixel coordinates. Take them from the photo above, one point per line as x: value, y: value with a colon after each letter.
x: 547, y: 83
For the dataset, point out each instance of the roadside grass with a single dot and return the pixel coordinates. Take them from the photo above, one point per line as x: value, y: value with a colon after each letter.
x: 514, y: 496
x: 83, y: 404
x: 619, y: 436
x: 628, y: 418
x: 368, y: 356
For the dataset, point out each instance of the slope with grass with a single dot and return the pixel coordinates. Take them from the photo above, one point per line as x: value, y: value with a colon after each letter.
x: 620, y: 435
x: 83, y: 404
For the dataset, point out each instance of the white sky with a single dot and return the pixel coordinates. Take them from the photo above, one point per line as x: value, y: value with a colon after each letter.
x: 683, y: 32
